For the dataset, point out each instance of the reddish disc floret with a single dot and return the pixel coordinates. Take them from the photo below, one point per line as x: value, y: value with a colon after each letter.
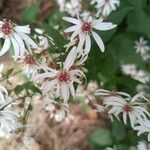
x: 127, y: 108
x: 63, y: 77
x: 6, y: 27
x: 87, y: 27
x: 29, y: 59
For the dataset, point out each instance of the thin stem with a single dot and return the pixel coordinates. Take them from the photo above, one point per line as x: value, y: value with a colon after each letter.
x: 10, y: 76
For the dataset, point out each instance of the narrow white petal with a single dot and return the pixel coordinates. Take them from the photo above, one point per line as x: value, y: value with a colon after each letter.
x: 70, y: 58
x: 87, y: 44
x: 16, y: 47
x: 71, y: 29
x: 28, y: 40
x: 6, y: 46
x: 71, y: 20
x: 98, y: 41
x: 72, y: 90
x: 74, y: 34
x: 24, y: 29
x: 103, y: 26
x: 65, y: 92
x: 82, y: 38
x: 125, y: 117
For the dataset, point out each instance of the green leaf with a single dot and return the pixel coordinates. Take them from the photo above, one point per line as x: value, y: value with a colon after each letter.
x: 123, y: 47
x: 9, y: 72
x: 59, y: 40
x: 28, y: 87
x: 29, y: 15
x: 138, y: 21
x: 101, y: 137
x: 118, y: 130
x: 116, y: 17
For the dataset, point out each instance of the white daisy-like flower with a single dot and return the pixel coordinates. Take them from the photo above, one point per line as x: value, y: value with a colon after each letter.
x: 30, y: 66
x: 132, y: 109
x: 17, y: 36
x: 84, y: 29
x: 61, y: 81
x: 73, y: 7
x: 141, y: 46
x: 131, y: 69
x: 144, y: 127
x: 105, y: 7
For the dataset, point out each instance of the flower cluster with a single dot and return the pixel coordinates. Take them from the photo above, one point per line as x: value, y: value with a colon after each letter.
x: 8, y: 118
x: 131, y: 110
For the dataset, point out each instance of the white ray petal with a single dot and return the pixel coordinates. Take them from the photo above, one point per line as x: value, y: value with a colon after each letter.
x: 6, y: 46
x: 98, y: 41
x: 71, y: 20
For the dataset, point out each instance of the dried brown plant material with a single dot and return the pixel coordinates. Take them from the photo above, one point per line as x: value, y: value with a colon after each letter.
x: 12, y: 9
x: 65, y: 135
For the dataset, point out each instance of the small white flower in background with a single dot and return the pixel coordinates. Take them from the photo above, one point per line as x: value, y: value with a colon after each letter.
x: 17, y: 36
x: 84, y: 29
x: 61, y: 81
x: 59, y: 116
x: 144, y: 127
x: 141, y: 46
x: 105, y: 7
x: 140, y: 75
x: 44, y: 41
x: 133, y: 109
x: 30, y: 65
x: 73, y: 7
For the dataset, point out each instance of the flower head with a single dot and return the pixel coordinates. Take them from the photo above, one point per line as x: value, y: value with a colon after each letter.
x: 61, y: 81
x: 105, y: 7
x: 17, y: 36
x: 84, y: 29
x: 132, y: 108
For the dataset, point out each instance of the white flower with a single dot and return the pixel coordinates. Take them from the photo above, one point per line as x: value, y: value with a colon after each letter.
x: 144, y: 127
x: 141, y: 46
x: 61, y: 81
x: 105, y: 7
x: 84, y: 29
x: 30, y: 65
x: 132, y: 109
x: 17, y: 36
x: 140, y: 75
x: 73, y: 7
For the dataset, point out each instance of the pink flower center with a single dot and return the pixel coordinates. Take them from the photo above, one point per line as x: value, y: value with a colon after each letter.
x: 86, y: 27
x: 127, y: 108
x: 63, y: 76
x: 29, y: 59
x: 6, y: 27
